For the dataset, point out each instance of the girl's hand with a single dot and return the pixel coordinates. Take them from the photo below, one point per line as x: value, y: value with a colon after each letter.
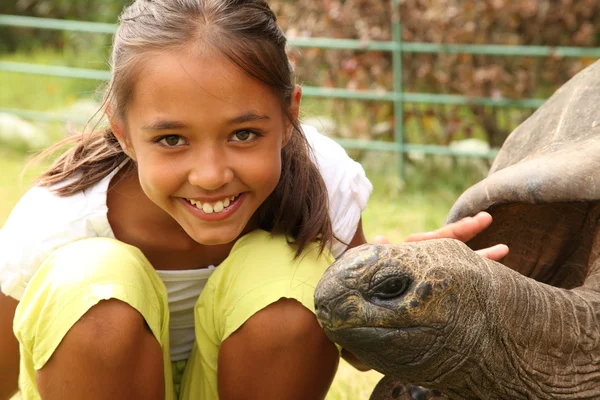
x: 463, y: 230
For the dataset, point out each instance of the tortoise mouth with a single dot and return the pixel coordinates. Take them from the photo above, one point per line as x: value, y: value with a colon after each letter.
x: 388, y: 349
x: 375, y: 336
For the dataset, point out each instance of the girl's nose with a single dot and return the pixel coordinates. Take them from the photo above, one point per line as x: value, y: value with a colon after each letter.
x: 210, y: 170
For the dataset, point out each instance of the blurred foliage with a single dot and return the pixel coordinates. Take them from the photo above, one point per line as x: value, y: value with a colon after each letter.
x: 511, y: 22
x: 81, y: 10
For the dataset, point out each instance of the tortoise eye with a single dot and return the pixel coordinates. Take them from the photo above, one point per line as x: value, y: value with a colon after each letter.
x: 391, y: 288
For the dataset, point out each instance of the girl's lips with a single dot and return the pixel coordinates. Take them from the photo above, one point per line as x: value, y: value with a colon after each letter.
x: 215, y: 216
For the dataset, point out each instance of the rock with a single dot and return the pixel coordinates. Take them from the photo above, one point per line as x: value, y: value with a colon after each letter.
x: 471, y: 146
x: 477, y: 150
x: 83, y: 111
x: 382, y: 129
x: 20, y: 134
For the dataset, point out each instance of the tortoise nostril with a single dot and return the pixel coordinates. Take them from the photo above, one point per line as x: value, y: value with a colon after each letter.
x: 322, y: 311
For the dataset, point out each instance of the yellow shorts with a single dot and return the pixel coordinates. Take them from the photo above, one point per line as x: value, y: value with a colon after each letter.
x: 260, y: 270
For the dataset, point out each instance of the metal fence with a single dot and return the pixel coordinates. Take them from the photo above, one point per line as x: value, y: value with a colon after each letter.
x: 397, y: 95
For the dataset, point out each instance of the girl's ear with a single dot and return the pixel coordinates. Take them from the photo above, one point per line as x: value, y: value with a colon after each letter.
x: 295, y: 103
x: 294, y: 113
x: 118, y: 129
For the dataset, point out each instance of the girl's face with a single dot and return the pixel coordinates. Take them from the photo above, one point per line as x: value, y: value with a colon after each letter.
x: 207, y: 140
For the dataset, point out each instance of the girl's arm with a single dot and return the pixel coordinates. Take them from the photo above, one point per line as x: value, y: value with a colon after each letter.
x: 9, y: 349
x: 281, y: 352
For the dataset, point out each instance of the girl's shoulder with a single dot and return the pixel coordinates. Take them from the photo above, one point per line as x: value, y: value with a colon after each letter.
x: 325, y: 150
x: 340, y: 172
x: 347, y: 185
x: 261, y: 269
x: 43, y: 221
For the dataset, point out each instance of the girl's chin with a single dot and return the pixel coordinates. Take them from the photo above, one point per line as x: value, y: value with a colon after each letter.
x: 215, y: 242
x: 208, y: 238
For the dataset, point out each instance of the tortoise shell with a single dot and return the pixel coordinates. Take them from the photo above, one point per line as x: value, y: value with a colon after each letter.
x: 543, y: 185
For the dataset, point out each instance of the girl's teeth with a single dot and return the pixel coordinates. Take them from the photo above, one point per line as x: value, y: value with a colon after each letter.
x: 217, y: 207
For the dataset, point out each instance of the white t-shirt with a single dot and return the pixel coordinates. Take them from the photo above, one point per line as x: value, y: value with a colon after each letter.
x: 42, y: 221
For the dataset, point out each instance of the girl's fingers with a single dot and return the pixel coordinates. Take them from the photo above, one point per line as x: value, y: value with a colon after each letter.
x: 463, y: 230
x: 380, y: 240
x: 417, y: 237
x: 496, y: 253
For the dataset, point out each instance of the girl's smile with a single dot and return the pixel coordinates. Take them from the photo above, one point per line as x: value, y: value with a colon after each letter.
x: 205, y: 153
x: 209, y: 206
x: 215, y: 210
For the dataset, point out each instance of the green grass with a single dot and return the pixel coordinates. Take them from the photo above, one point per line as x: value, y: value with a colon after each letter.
x: 11, y: 186
x: 35, y: 92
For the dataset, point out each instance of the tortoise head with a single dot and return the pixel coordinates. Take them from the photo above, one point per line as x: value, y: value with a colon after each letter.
x: 395, y: 306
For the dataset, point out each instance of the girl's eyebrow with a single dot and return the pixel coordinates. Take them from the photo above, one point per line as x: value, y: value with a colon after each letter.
x: 166, y: 125
x: 248, y: 117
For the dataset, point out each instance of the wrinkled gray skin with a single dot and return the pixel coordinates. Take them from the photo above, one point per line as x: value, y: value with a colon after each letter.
x: 438, y: 315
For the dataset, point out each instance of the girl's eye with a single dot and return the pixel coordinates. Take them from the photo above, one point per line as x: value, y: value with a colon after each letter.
x: 171, y: 141
x: 243, y: 136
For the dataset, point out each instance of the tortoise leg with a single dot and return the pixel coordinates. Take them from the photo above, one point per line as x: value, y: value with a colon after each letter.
x: 390, y: 388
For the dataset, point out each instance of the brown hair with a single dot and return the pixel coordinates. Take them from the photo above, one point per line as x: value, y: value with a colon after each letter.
x: 246, y: 32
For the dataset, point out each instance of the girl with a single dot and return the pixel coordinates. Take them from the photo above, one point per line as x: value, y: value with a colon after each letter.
x: 109, y: 257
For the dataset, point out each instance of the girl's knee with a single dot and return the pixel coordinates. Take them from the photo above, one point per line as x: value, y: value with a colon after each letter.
x: 111, y: 331
x: 97, y: 295
x: 112, y: 327
x: 111, y: 345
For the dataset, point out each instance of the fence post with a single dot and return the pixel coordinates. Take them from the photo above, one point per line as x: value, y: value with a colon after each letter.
x: 398, y: 87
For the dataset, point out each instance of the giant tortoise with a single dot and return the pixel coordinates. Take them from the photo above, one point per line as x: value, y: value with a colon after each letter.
x: 436, y: 314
